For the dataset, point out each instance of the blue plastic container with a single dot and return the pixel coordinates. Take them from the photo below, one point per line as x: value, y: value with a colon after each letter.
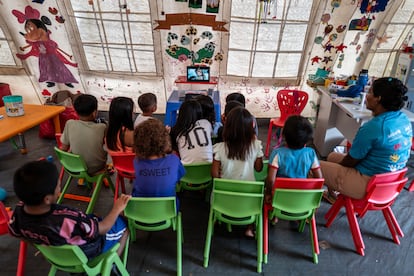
x: 13, y: 105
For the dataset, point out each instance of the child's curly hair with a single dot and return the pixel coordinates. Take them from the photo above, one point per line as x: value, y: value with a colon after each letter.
x: 151, y: 138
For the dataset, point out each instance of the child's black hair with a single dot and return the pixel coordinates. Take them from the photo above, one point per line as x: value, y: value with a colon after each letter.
x: 236, y: 96
x: 85, y: 104
x: 297, y: 131
x: 35, y: 180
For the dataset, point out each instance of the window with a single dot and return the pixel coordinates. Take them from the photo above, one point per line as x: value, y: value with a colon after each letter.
x: 6, y: 55
x: 268, y: 38
x: 115, y: 36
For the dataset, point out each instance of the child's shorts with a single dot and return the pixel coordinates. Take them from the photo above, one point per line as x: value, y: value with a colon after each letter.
x: 115, y: 233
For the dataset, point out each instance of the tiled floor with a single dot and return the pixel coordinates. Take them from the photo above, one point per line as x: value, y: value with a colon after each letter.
x: 231, y: 253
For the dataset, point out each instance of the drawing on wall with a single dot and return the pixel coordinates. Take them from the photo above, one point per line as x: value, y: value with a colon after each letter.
x: 52, y: 59
x: 213, y: 6
x: 195, y: 4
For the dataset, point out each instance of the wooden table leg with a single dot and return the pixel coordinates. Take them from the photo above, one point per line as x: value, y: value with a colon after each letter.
x: 56, y: 122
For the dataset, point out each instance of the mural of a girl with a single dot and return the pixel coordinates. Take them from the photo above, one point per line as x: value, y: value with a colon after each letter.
x: 52, y: 68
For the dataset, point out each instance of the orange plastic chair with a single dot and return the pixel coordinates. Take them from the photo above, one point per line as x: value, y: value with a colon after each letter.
x: 382, y: 190
x: 291, y: 102
x: 290, y: 183
x: 124, y: 166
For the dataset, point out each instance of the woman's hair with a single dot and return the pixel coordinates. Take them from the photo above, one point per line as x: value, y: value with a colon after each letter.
x: 207, y: 106
x: 35, y: 180
x: 392, y: 92
x: 297, y: 131
x: 190, y: 112
x: 151, y: 138
x: 239, y: 133
x: 120, y: 115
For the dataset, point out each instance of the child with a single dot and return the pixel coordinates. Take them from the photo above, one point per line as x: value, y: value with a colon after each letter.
x: 147, y: 102
x: 240, y: 153
x: 84, y: 136
x: 207, y: 105
x: 294, y: 160
x: 236, y: 96
x: 38, y: 219
x: 156, y: 172
x: 191, y: 135
x: 120, y: 134
x: 229, y: 106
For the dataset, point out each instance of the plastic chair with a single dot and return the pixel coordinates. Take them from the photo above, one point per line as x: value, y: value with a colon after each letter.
x: 76, y: 167
x: 291, y: 102
x: 70, y: 258
x: 261, y: 176
x: 4, y: 229
x: 155, y: 214
x: 236, y: 202
x: 296, y: 184
x: 382, y: 190
x: 197, y: 177
x: 124, y: 166
x: 59, y: 144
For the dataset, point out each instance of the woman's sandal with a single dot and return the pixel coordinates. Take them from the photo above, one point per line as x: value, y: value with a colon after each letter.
x: 329, y: 197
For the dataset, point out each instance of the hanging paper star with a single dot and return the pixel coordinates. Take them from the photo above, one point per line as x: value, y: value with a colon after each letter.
x: 340, y: 48
x: 326, y: 59
x: 315, y: 59
x: 383, y: 39
x: 328, y: 47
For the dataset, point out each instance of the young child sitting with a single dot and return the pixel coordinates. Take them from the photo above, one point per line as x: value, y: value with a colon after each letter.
x: 120, y: 134
x: 147, y: 102
x: 156, y: 172
x: 294, y: 159
x: 84, y: 136
x: 229, y: 107
x: 38, y: 219
x: 191, y: 135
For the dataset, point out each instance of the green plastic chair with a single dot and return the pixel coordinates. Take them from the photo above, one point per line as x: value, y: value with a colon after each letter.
x: 261, y: 176
x: 236, y: 202
x: 197, y: 177
x: 299, y: 205
x: 155, y: 214
x: 76, y: 167
x: 70, y: 258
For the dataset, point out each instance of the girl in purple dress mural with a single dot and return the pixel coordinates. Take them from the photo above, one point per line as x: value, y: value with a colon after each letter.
x: 52, y: 68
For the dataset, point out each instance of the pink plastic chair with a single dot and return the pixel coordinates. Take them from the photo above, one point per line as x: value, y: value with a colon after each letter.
x: 124, y: 166
x: 291, y: 102
x: 382, y: 190
x: 290, y: 183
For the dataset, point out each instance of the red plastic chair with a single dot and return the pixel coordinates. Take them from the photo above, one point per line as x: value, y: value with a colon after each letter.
x: 291, y: 102
x: 382, y: 190
x: 4, y: 220
x: 124, y: 166
x: 290, y: 183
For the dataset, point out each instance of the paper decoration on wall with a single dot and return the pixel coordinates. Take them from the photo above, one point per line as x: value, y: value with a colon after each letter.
x: 356, y: 39
x: 213, y: 6
x: 360, y: 24
x: 340, y: 28
x: 52, y: 59
x: 325, y: 18
x: 195, y: 4
x: 340, y: 48
x: 265, y: 10
x: 328, y: 29
x: 333, y: 37
x: 358, y: 48
x: 328, y: 46
x: 371, y: 6
x: 318, y: 40
x: 315, y: 59
x: 383, y: 39
x: 335, y: 4
x: 185, y: 52
x: 341, y: 59
x: 190, y: 19
x: 371, y: 36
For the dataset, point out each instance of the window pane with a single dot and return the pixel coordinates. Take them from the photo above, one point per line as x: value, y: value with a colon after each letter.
x: 299, y: 10
x: 243, y: 8
x: 89, y: 30
x: 146, y: 60
x: 97, y: 58
x: 288, y: 65
x: 263, y: 65
x: 120, y: 60
x: 141, y: 33
x: 293, y: 38
x: 268, y: 37
x: 241, y: 36
x: 393, y: 33
x: 6, y: 56
x: 238, y: 63
x: 379, y: 67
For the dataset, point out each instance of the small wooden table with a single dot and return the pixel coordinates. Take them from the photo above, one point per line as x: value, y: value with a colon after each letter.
x: 33, y: 116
